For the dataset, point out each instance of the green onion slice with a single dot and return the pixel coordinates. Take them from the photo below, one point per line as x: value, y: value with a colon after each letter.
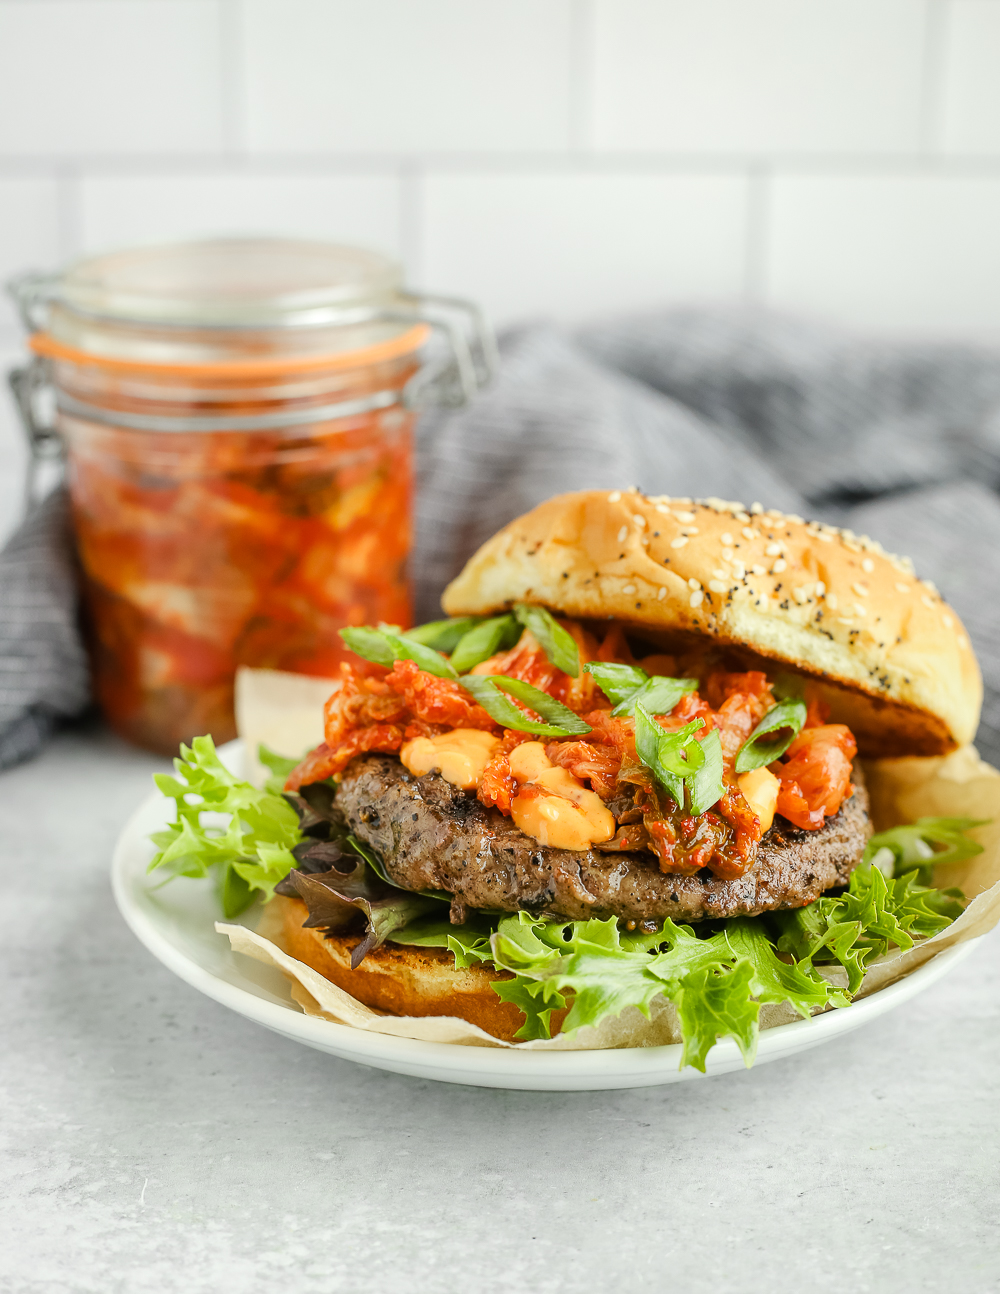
x: 383, y: 646
x: 443, y: 635
x: 559, y: 646
x: 484, y: 640
x: 773, y: 735
x: 626, y: 685
x: 489, y: 689
x: 706, y: 788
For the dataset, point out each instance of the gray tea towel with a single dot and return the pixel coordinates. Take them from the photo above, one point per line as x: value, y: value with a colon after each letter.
x: 901, y: 442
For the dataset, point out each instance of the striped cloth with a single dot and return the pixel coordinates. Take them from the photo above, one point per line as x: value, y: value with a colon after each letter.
x: 900, y: 442
x: 43, y: 667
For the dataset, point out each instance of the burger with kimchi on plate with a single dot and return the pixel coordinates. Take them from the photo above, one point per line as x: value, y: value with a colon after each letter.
x: 624, y: 770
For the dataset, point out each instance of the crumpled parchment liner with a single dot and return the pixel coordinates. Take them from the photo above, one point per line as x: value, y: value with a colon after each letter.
x: 901, y: 790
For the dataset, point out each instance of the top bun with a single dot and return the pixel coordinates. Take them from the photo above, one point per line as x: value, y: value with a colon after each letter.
x: 894, y: 662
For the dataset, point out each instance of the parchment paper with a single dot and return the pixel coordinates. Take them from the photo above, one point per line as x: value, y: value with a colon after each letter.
x: 284, y: 711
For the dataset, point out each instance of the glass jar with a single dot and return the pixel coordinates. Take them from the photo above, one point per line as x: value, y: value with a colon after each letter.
x: 237, y: 419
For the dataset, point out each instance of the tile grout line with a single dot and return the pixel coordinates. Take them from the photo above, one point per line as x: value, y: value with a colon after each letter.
x: 581, y: 77
x: 933, y: 77
x: 141, y: 166
x: 231, y: 77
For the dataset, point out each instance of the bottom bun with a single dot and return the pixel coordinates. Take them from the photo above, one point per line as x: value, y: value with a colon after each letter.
x: 402, y: 979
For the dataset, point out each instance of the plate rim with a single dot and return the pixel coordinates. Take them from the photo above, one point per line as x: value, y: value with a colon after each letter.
x: 369, y: 1047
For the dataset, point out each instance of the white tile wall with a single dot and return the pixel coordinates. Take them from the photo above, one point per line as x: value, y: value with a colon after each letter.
x: 391, y: 75
x: 116, y: 210
x: 970, y: 119
x: 902, y: 253
x: 758, y: 76
x: 550, y: 156
x: 571, y: 245
x: 110, y: 76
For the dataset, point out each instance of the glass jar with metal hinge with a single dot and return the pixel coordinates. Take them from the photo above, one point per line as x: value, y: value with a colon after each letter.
x: 236, y: 419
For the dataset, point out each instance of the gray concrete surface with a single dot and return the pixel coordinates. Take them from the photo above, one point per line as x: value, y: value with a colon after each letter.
x: 153, y: 1141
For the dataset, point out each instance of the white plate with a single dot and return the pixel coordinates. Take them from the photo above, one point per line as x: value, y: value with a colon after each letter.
x: 176, y: 923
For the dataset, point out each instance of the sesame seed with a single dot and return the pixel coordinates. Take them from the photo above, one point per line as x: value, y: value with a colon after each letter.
x: 693, y: 583
x: 615, y: 496
x: 772, y: 550
x: 868, y: 565
x: 662, y: 507
x: 747, y: 533
x: 742, y: 516
x: 628, y: 588
x: 928, y: 602
x: 779, y: 566
x: 679, y: 542
x: 685, y: 516
x: 727, y: 554
x: 661, y: 593
x: 756, y: 509
x: 800, y: 595
x: 831, y: 601
x: 824, y: 537
x: 963, y: 642
x: 758, y: 569
x: 623, y: 534
x: 717, y: 586
x: 727, y: 539
x: 844, y: 620
x: 820, y: 588
x: 696, y: 599
x: 739, y: 570
x: 860, y: 590
x: 901, y: 587
x: 639, y: 520
x: 947, y: 621
x: 859, y: 609
x: 719, y: 573
x: 929, y: 584
x: 790, y: 516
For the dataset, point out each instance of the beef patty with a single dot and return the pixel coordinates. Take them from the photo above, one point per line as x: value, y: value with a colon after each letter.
x: 431, y: 835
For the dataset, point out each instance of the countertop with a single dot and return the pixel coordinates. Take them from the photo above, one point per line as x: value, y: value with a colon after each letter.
x: 154, y: 1141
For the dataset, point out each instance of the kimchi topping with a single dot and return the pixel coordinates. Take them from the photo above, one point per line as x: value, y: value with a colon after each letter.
x: 594, y: 791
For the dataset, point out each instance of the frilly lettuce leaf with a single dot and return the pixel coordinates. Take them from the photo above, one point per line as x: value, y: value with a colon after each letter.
x: 280, y: 767
x: 717, y: 983
x: 924, y: 844
x: 871, y: 916
x: 224, y: 826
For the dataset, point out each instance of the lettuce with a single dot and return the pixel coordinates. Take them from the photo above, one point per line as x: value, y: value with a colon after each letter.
x: 224, y: 827
x: 864, y: 922
x: 717, y: 983
x: 717, y: 977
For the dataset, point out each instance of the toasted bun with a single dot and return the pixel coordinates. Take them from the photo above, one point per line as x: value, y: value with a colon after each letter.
x: 893, y: 661
x: 401, y: 980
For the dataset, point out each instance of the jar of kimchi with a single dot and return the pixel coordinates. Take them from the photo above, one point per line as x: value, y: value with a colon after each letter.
x: 236, y: 418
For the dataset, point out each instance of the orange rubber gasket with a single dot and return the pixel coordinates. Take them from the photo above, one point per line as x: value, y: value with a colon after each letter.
x: 404, y: 344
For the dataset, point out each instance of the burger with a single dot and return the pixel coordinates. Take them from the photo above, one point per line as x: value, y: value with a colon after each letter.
x: 624, y: 769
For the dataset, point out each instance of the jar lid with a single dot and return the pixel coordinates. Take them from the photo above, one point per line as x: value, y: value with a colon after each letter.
x: 222, y: 301
x: 229, y: 307
x: 229, y: 283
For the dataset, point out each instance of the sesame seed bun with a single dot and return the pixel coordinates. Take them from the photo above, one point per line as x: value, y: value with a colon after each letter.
x: 401, y: 979
x: 890, y: 657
